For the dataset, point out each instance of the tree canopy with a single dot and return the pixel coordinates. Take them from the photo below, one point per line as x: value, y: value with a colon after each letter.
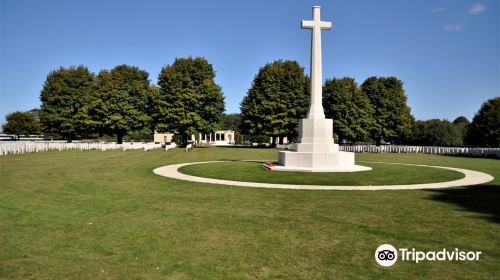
x: 436, y: 132
x: 65, y: 97
x: 21, y: 123
x: 188, y: 101
x: 461, y: 125
x: 277, y: 99
x: 122, y: 101
x: 230, y: 122
x: 485, y: 127
x: 349, y: 108
x: 391, y: 115
x: 461, y: 120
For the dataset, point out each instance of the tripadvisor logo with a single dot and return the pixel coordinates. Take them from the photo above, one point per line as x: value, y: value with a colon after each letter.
x: 387, y: 255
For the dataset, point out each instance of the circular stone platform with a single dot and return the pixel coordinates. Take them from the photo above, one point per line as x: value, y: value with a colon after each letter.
x: 471, y: 178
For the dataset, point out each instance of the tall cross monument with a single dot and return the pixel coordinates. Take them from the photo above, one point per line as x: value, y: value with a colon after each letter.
x: 316, y: 107
x: 315, y: 150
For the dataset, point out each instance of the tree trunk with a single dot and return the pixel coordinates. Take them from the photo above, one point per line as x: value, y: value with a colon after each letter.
x: 119, y: 137
x: 185, y: 139
x: 281, y: 139
x: 273, y: 142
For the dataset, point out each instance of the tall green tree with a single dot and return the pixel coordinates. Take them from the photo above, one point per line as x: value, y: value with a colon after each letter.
x: 277, y: 99
x: 349, y: 108
x: 122, y: 103
x: 21, y: 123
x: 485, y: 127
x: 391, y: 114
x: 188, y: 101
x: 64, y: 97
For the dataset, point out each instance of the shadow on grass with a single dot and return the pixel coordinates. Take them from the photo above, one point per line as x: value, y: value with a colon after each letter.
x: 483, y: 199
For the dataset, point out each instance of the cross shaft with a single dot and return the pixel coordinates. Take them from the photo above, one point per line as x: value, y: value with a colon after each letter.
x: 316, y: 107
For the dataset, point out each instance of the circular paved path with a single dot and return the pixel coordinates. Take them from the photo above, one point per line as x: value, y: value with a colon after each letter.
x: 471, y: 178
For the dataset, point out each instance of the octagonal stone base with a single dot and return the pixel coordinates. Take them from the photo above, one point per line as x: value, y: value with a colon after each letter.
x: 316, y: 151
x: 317, y: 162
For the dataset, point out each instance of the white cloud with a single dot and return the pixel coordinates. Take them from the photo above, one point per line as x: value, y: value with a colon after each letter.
x: 476, y: 9
x: 439, y: 10
x: 454, y: 27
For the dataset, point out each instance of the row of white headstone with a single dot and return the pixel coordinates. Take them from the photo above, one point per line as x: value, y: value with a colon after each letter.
x: 487, y: 152
x: 23, y: 147
x: 477, y: 152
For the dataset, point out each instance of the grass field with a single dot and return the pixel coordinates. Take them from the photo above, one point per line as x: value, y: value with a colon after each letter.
x: 381, y: 174
x: 105, y: 215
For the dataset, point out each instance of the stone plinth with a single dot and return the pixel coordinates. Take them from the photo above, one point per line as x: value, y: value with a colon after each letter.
x: 316, y: 151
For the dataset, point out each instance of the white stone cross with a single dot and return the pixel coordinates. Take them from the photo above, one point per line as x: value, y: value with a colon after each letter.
x: 316, y: 105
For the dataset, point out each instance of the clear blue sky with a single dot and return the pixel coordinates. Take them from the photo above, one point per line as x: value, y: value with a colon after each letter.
x: 445, y: 51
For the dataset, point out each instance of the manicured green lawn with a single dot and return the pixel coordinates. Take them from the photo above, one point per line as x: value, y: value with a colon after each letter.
x: 105, y: 215
x: 381, y: 174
